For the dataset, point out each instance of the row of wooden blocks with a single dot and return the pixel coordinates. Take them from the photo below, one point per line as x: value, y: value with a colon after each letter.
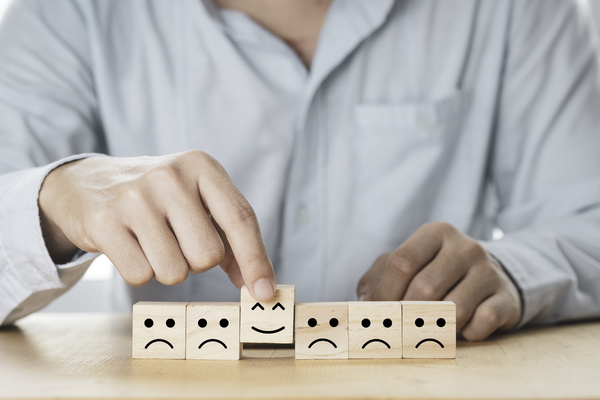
x: 334, y: 330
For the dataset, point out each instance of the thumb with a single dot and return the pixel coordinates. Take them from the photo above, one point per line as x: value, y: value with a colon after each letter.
x: 365, y: 289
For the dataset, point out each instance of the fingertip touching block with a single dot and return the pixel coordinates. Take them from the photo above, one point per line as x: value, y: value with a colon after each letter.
x: 268, y: 321
x: 158, y: 330
x: 321, y: 331
x: 375, y: 329
x: 429, y: 329
x: 213, y: 331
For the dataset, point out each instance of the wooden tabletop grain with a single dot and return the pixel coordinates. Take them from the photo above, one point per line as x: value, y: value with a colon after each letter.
x: 89, y: 356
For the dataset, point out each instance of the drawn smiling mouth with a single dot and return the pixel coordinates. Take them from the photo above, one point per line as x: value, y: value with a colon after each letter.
x: 158, y: 340
x: 376, y: 340
x: 322, y: 340
x: 429, y: 340
x: 268, y: 332
x: 212, y: 340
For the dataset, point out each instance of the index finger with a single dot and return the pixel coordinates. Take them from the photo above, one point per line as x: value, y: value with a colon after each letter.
x: 237, y: 219
x: 406, y: 261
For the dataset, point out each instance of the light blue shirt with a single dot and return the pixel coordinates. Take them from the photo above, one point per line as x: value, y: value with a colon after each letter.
x: 480, y: 114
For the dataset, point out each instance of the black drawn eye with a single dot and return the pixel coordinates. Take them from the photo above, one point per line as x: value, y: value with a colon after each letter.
x: 202, y: 323
x: 333, y: 322
x: 148, y: 322
x: 224, y: 323
x: 419, y: 322
x: 278, y: 305
x: 170, y: 323
x: 387, y: 323
x: 312, y: 322
x: 366, y: 323
x: 258, y: 305
x: 441, y: 322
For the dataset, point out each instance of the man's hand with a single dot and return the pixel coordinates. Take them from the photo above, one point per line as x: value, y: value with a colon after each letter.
x: 440, y: 263
x: 157, y: 217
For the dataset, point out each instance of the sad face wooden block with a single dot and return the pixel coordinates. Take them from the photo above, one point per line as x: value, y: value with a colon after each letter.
x: 268, y: 321
x: 321, y: 330
x: 429, y: 329
x: 213, y: 331
x: 158, y: 330
x: 375, y: 329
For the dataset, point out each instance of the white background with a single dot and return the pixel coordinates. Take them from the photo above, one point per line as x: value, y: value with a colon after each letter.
x: 92, y: 293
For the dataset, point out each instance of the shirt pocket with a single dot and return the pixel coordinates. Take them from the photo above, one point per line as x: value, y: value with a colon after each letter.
x: 402, y: 153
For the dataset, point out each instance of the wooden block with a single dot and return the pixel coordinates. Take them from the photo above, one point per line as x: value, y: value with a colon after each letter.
x: 321, y: 331
x: 158, y: 330
x: 213, y: 331
x: 268, y: 321
x: 375, y: 329
x: 429, y: 329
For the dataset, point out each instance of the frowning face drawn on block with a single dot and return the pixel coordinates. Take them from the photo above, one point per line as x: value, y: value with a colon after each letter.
x: 159, y: 330
x: 268, y: 321
x: 429, y: 329
x: 375, y: 329
x: 213, y: 331
x: 321, y: 330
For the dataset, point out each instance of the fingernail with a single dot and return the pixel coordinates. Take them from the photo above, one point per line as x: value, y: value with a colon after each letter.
x: 264, y: 289
x: 362, y: 297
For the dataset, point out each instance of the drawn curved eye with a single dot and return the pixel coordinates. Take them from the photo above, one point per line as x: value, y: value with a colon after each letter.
x: 387, y: 323
x: 333, y: 322
x: 224, y: 323
x: 312, y: 322
x: 148, y: 323
x: 258, y: 305
x: 170, y: 323
x: 278, y: 305
x: 441, y: 322
x: 202, y: 323
x: 419, y: 322
x: 366, y: 323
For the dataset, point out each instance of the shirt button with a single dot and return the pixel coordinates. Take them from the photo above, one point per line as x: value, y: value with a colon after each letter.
x: 302, y: 215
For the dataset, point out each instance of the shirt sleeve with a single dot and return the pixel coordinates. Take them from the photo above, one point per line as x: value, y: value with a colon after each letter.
x: 546, y: 163
x: 47, y: 117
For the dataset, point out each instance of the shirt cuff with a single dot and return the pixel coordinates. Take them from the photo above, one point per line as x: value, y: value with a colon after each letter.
x: 25, y: 264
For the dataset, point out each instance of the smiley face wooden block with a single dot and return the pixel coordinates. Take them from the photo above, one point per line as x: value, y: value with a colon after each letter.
x: 158, y: 330
x: 213, y: 331
x: 321, y: 331
x: 268, y: 321
x: 429, y: 329
x: 375, y: 329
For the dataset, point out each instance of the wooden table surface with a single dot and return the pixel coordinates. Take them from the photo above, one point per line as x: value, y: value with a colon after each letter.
x: 89, y: 356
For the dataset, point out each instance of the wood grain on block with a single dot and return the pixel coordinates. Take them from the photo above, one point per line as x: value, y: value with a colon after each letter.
x: 429, y: 329
x: 375, y: 329
x: 158, y: 330
x: 268, y: 321
x: 213, y: 331
x: 321, y: 330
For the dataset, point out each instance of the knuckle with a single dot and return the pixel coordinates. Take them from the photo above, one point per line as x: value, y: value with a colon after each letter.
x: 207, y: 259
x: 173, y: 277
x: 488, y: 316
x: 424, y: 288
x: 139, y: 277
x: 244, y: 215
x: 472, y: 250
x: 440, y: 227
x: 401, y: 266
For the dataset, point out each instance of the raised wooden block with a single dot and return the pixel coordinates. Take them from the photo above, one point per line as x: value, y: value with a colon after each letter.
x: 321, y: 331
x: 271, y: 321
x: 429, y: 329
x: 375, y: 329
x: 158, y: 330
x: 213, y: 331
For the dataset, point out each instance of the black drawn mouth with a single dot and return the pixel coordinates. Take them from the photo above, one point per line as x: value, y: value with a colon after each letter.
x: 429, y: 340
x: 212, y: 340
x: 322, y: 340
x: 268, y: 332
x: 158, y: 340
x: 376, y: 340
